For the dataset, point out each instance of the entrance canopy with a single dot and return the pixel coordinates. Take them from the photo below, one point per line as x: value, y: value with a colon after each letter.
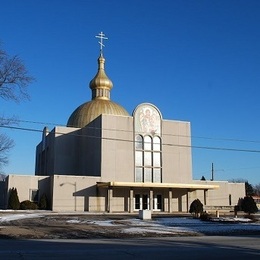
x: 189, y: 186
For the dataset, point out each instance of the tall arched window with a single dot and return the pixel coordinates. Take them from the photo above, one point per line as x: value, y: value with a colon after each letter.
x: 139, y: 146
x: 148, y: 166
x: 157, y: 159
x: 148, y: 152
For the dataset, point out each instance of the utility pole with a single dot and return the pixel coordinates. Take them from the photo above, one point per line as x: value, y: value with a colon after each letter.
x: 212, y: 172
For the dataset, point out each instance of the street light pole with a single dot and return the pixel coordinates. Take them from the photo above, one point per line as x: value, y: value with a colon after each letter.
x: 212, y: 172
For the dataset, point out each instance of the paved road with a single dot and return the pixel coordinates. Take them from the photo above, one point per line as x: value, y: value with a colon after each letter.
x: 205, y: 247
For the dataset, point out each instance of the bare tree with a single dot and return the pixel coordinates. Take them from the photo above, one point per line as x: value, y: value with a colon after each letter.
x: 14, y: 80
x: 257, y: 189
x: 6, y: 144
x: 6, y: 121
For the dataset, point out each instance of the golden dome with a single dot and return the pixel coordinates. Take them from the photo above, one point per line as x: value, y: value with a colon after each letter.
x: 101, y: 84
x: 100, y: 103
x: 87, y: 112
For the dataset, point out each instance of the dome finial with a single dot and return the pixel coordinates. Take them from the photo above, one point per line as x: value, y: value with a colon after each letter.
x: 102, y: 37
x: 101, y: 84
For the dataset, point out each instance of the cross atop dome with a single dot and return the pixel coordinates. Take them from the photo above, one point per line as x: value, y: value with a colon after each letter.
x: 102, y: 37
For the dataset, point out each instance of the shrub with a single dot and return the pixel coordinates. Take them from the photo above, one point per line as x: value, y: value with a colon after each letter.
x: 236, y: 208
x: 248, y: 205
x: 13, y: 200
x: 205, y: 216
x: 26, y: 204
x: 43, y: 203
x: 196, y: 207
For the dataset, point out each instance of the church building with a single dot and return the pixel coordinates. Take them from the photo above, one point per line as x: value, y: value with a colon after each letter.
x: 108, y: 160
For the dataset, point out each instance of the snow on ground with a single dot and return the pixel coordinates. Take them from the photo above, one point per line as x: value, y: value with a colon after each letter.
x: 138, y: 226
x: 73, y: 221
x: 103, y: 223
x: 217, y: 226
x: 183, y: 225
x: 11, y: 217
x: 167, y: 225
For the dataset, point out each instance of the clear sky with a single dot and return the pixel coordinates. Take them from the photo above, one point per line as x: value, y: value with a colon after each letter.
x: 197, y: 61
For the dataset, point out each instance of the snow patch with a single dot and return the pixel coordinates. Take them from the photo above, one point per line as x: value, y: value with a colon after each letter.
x: 73, y: 221
x: 12, y: 217
x: 105, y: 223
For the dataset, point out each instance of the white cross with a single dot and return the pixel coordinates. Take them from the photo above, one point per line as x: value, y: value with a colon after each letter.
x: 102, y: 37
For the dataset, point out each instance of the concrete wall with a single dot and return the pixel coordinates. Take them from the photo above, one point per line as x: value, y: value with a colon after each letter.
x: 79, y: 193
x: 117, y: 148
x: 66, y: 152
x: 58, y: 152
x: 71, y: 193
x: 90, y: 149
x: 25, y: 183
x: 228, y: 193
x: 176, y: 152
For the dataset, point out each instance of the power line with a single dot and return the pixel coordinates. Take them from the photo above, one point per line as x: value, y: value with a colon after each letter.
x: 38, y: 122
x: 21, y: 128
x: 132, y: 141
x: 120, y: 130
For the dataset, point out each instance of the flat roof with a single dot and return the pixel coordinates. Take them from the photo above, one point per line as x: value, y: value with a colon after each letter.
x: 192, y: 186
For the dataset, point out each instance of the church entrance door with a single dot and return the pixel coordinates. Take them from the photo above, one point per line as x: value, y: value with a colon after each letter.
x: 157, y: 202
x: 141, y: 201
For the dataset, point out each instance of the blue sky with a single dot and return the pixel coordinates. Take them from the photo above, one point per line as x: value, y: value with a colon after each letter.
x: 197, y: 61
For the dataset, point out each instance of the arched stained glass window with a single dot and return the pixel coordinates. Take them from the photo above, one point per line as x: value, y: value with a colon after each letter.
x: 148, y: 144
x: 156, y: 143
x: 139, y: 142
x: 147, y: 120
x: 148, y: 161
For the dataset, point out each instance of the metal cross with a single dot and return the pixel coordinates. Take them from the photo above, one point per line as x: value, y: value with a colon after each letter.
x: 102, y: 37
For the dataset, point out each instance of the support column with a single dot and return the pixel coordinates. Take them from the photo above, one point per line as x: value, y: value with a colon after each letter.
x: 131, y: 201
x: 170, y: 201
x: 151, y: 200
x: 205, y: 197
x: 180, y: 203
x: 109, y: 199
x: 187, y: 201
